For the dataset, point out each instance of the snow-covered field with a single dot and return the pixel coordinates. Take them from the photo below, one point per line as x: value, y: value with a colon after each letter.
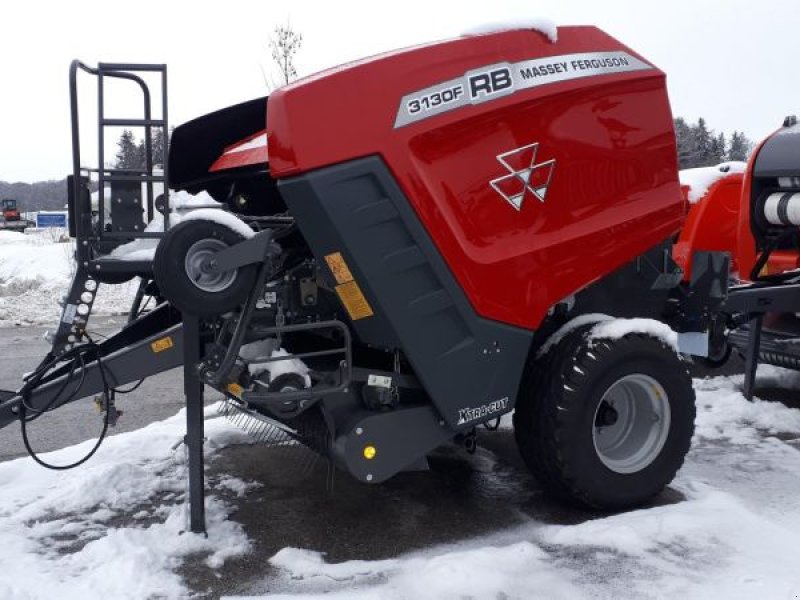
x: 36, y: 267
x: 113, y: 528
x: 35, y: 272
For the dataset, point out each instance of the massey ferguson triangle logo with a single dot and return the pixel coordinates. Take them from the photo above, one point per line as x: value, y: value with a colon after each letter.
x: 527, y: 178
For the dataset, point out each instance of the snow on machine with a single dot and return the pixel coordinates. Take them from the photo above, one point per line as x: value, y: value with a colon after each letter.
x: 382, y: 257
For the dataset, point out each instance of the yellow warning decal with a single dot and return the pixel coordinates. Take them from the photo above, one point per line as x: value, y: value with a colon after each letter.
x: 338, y: 267
x: 164, y: 343
x: 354, y: 301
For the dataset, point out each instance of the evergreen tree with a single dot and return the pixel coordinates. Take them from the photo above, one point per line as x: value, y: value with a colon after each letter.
x: 703, y: 140
x: 158, y: 146
x: 131, y: 153
x: 684, y: 137
x: 128, y: 153
x: 700, y: 146
x: 740, y: 147
x: 717, y: 152
x: 141, y: 160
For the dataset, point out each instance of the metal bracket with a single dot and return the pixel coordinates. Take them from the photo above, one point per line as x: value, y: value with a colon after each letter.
x: 248, y: 252
x: 760, y: 298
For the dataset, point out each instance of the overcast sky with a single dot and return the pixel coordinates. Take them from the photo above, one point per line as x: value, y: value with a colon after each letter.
x: 735, y: 62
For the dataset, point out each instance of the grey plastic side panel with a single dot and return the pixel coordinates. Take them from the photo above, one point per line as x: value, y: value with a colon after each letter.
x: 464, y: 361
x: 780, y: 155
x: 389, y: 432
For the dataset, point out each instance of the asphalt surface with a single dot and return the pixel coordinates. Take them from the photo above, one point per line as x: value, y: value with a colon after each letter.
x: 22, y: 348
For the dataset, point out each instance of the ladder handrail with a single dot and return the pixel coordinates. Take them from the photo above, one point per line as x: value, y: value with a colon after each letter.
x: 117, y: 71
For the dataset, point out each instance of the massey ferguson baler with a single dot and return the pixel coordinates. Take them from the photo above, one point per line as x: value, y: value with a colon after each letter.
x: 431, y: 232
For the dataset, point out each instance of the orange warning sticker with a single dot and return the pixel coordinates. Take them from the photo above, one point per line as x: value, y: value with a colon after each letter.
x: 338, y: 267
x: 164, y: 343
x: 354, y: 301
x: 235, y: 389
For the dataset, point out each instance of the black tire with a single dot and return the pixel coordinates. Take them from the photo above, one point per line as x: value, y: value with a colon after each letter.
x: 558, y: 409
x: 175, y: 284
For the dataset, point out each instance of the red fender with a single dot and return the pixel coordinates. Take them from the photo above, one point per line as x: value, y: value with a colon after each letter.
x: 712, y: 223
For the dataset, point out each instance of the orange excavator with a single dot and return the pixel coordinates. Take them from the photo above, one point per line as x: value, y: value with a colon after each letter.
x: 11, y: 215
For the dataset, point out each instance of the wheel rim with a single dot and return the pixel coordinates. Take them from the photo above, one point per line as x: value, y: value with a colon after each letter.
x: 631, y: 423
x: 197, y: 262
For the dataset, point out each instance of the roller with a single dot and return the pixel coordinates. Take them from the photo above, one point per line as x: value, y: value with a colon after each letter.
x: 783, y: 209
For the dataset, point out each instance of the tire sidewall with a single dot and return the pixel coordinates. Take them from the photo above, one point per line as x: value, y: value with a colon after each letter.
x: 170, y: 270
x: 629, y: 355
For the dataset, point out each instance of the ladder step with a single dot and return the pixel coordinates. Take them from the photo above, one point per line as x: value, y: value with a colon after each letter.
x: 132, y: 122
x: 128, y: 235
x: 129, y: 67
x: 144, y: 178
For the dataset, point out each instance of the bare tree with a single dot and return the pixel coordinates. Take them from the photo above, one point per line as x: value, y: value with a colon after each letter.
x: 284, y: 44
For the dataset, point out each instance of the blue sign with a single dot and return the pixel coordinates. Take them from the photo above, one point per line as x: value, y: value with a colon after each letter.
x: 51, y: 219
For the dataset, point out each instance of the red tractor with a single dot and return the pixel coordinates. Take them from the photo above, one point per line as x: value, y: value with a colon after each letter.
x: 433, y: 232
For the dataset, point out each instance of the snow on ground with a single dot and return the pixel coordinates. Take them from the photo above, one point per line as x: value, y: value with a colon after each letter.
x: 702, y: 178
x: 729, y: 529
x: 36, y: 268
x: 732, y: 535
x: 61, y: 533
x: 35, y: 273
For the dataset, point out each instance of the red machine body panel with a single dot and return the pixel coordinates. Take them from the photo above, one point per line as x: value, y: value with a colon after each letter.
x: 250, y: 151
x: 560, y: 168
x: 712, y: 224
x: 721, y: 221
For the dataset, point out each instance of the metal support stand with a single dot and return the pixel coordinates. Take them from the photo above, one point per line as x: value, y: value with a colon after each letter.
x: 751, y: 359
x: 193, y: 389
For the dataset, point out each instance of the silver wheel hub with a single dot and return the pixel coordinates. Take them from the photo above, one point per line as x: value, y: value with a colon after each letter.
x: 631, y: 423
x: 197, y: 262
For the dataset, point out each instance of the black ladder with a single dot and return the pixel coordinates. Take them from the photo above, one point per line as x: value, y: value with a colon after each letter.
x: 132, y: 200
